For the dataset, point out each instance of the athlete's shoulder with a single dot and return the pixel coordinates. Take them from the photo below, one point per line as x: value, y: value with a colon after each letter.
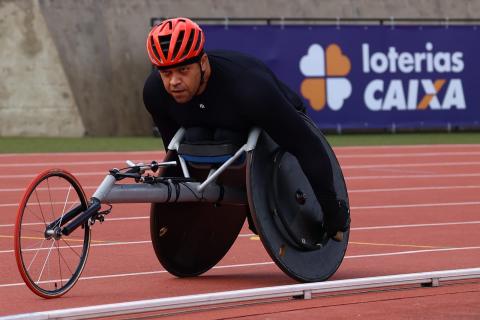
x: 154, y: 92
x: 234, y: 59
x: 153, y: 79
x: 154, y: 84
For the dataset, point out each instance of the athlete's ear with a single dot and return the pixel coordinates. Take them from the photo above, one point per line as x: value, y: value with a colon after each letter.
x: 203, y: 62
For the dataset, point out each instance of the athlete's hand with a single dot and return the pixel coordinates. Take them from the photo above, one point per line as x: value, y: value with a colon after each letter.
x: 150, y: 173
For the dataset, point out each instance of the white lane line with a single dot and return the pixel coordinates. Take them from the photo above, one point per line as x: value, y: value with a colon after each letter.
x: 374, y: 255
x: 420, y: 225
x: 340, y: 156
x: 42, y: 189
x: 349, y: 190
x: 411, y: 165
x: 249, y: 235
x: 120, y: 275
x: 150, y: 152
x: 99, y: 174
x: 109, y: 244
x: 409, y: 189
x: 102, y: 174
x: 11, y: 225
x: 414, y: 176
x: 92, y: 154
x: 108, y: 219
x: 418, y: 205
x: 259, y: 264
x: 366, y: 166
x: 407, y: 155
x: 123, y: 243
x: 416, y: 146
x: 65, y: 163
x: 35, y: 203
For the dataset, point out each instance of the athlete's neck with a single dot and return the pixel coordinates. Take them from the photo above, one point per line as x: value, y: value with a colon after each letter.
x: 206, y: 75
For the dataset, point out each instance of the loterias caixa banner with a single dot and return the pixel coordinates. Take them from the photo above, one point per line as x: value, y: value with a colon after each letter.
x: 370, y: 76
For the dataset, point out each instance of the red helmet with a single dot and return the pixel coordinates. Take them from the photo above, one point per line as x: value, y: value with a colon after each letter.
x: 175, y: 42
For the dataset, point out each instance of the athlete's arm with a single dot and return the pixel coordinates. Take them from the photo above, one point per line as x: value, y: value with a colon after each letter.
x: 268, y: 107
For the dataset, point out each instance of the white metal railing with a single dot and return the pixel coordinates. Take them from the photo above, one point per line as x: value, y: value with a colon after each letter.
x: 304, y: 291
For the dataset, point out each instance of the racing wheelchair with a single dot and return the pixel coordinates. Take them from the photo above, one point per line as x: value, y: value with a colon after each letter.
x: 199, y: 203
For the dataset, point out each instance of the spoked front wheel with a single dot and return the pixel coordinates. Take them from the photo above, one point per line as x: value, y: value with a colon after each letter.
x: 49, y: 262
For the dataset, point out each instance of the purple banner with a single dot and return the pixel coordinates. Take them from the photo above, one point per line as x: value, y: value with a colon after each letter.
x: 361, y: 77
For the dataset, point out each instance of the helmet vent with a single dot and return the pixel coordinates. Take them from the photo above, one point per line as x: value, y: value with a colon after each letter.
x: 164, y: 44
x: 178, y: 44
x: 199, y: 40
x: 155, y: 52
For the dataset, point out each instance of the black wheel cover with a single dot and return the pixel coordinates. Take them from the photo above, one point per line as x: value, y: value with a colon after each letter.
x: 288, y: 217
x: 191, y: 238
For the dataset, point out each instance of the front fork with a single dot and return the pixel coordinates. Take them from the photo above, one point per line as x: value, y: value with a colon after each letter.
x: 77, y: 216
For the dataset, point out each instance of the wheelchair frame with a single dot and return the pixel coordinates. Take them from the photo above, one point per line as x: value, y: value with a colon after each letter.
x: 294, y: 237
x: 146, y: 190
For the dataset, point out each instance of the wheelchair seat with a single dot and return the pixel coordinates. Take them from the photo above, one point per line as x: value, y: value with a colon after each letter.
x: 209, y: 152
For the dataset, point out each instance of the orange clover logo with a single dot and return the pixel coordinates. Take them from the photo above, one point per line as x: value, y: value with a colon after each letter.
x: 330, y: 87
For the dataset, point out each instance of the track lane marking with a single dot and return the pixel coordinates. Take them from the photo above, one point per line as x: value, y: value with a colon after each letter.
x: 395, y: 245
x: 162, y: 152
x: 414, y: 176
x: 413, y: 189
x: 439, y: 224
x: 441, y: 204
x: 411, y: 165
x: 340, y: 156
x: 250, y: 236
x: 409, y: 155
x: 418, y: 205
x: 98, y: 244
x: 261, y: 264
x: 255, y: 238
x: 107, y: 220
x: 114, y: 162
x: 411, y: 252
x: 349, y: 191
x: 86, y: 153
x: 39, y: 238
x: 66, y: 163
x: 99, y: 174
x: 412, y: 146
x: 102, y: 174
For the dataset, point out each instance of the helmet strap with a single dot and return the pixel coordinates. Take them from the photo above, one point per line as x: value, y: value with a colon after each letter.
x: 202, y: 77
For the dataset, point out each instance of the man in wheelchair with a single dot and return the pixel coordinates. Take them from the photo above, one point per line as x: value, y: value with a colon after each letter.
x: 220, y: 96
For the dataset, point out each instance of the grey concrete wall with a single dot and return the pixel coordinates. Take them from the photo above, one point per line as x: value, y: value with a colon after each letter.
x: 35, y: 96
x: 100, y: 45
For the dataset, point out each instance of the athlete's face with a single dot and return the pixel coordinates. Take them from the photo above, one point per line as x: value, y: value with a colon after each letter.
x: 182, y: 83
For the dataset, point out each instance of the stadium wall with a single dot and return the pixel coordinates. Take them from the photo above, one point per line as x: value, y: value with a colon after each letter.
x: 73, y: 68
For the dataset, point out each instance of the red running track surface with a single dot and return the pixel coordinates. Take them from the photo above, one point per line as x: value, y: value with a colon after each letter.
x: 414, y: 209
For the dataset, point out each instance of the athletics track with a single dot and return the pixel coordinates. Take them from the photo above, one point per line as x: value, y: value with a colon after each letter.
x: 414, y: 209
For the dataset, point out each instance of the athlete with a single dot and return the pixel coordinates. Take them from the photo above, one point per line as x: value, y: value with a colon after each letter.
x: 224, y: 94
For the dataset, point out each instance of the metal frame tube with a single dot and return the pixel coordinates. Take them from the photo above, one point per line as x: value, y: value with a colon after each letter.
x: 105, y: 187
x: 172, y: 191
